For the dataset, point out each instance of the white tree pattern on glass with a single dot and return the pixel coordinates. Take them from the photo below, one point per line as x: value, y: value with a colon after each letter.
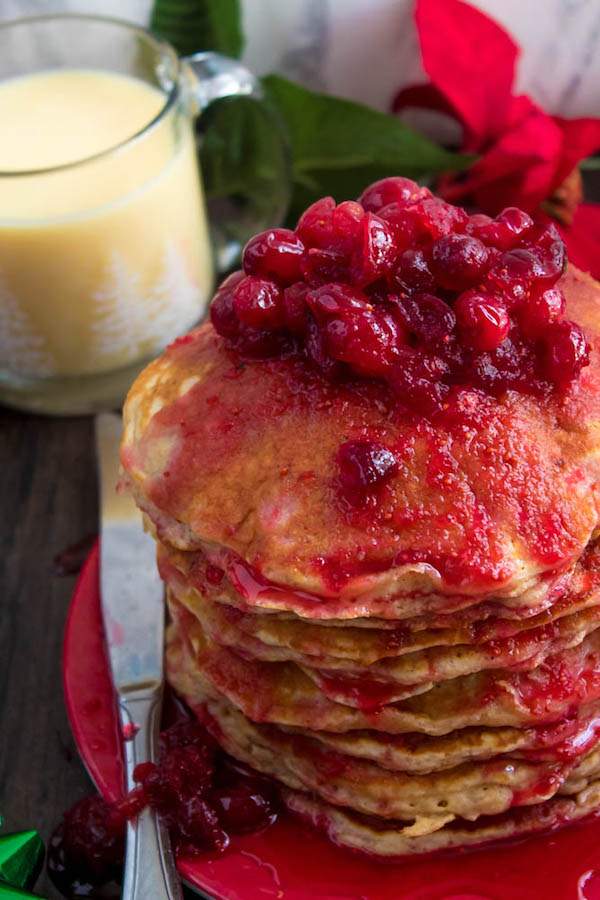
x: 120, y: 312
x: 176, y: 299
x: 22, y: 350
x: 129, y: 319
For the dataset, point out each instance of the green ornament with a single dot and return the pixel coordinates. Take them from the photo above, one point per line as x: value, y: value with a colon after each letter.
x: 20, y: 854
x: 8, y: 892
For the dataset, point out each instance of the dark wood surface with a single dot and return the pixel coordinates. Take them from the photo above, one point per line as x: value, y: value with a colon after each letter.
x: 48, y: 491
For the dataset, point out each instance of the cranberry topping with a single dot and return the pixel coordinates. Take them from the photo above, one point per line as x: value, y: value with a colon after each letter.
x: 501, y: 232
x: 222, y: 314
x: 412, y: 273
x: 364, y: 466
x: 566, y: 351
x: 403, y: 287
x: 258, y: 303
x: 417, y: 380
x: 392, y: 190
x: 484, y: 323
x: 315, y: 226
x: 87, y: 848
x: 274, y: 254
x: 375, y: 251
x: 459, y: 261
x: 199, y: 793
x: 430, y: 319
x: 542, y: 308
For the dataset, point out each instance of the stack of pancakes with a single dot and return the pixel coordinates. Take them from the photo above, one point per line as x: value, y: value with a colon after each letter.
x: 422, y: 678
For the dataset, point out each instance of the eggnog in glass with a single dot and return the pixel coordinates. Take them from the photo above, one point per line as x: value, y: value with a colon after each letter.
x: 105, y: 255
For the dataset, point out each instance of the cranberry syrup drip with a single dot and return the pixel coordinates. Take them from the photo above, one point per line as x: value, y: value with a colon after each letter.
x: 404, y: 287
x: 201, y: 794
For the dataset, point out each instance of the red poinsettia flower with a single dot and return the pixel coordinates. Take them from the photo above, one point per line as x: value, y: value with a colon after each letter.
x: 525, y: 154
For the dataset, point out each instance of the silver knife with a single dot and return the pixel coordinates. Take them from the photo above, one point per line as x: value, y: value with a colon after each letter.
x: 133, y: 612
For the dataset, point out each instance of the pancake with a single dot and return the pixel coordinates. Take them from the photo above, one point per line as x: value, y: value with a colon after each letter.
x: 383, y: 839
x: 243, y: 588
x: 468, y: 790
x: 408, y: 673
x: 565, y: 740
x: 352, y: 640
x: 418, y: 670
x: 282, y: 694
x: 240, y: 456
x: 473, y: 624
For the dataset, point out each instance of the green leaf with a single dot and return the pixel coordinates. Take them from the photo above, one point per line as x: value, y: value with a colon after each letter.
x: 246, y: 171
x: 194, y: 25
x: 338, y: 146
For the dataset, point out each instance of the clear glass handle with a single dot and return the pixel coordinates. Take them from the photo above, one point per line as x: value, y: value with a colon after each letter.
x: 242, y: 151
x: 215, y: 76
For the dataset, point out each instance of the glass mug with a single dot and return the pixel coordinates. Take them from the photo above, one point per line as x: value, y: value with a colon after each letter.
x: 105, y: 255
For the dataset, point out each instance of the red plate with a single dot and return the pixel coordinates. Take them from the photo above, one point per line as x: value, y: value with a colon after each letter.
x: 290, y: 861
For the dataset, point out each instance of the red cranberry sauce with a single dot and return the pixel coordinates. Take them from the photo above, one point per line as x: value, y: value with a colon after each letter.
x: 201, y: 794
x: 404, y: 287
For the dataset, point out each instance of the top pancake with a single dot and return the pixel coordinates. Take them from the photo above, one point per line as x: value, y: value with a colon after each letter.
x: 489, y: 500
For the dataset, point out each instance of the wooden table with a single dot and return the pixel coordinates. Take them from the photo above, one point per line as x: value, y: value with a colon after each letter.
x: 48, y: 491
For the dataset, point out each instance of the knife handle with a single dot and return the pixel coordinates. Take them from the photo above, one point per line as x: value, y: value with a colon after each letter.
x: 150, y: 870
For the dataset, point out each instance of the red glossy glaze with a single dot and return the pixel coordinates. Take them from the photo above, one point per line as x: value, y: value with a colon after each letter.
x: 396, y: 242
x: 439, y: 509
x: 291, y: 861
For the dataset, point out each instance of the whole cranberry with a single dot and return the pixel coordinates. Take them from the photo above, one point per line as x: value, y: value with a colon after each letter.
x: 347, y: 217
x: 408, y: 230
x: 366, y: 341
x: 374, y: 251
x: 241, y: 808
x: 320, y: 266
x: 436, y: 218
x: 363, y: 467
x: 478, y: 225
x: 336, y: 299
x: 427, y: 317
x: 459, y: 261
x: 503, y: 368
x: 258, y: 303
x: 502, y: 232
x: 315, y: 226
x: 566, y: 352
x: 416, y: 379
x: 541, y: 309
x: 512, y: 289
x: 483, y: 321
x: 198, y: 824
x: 507, y: 226
x: 294, y: 302
x: 549, y: 248
x: 274, y: 254
x: 222, y: 313
x: 391, y: 190
x: 412, y: 273
x: 522, y: 264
